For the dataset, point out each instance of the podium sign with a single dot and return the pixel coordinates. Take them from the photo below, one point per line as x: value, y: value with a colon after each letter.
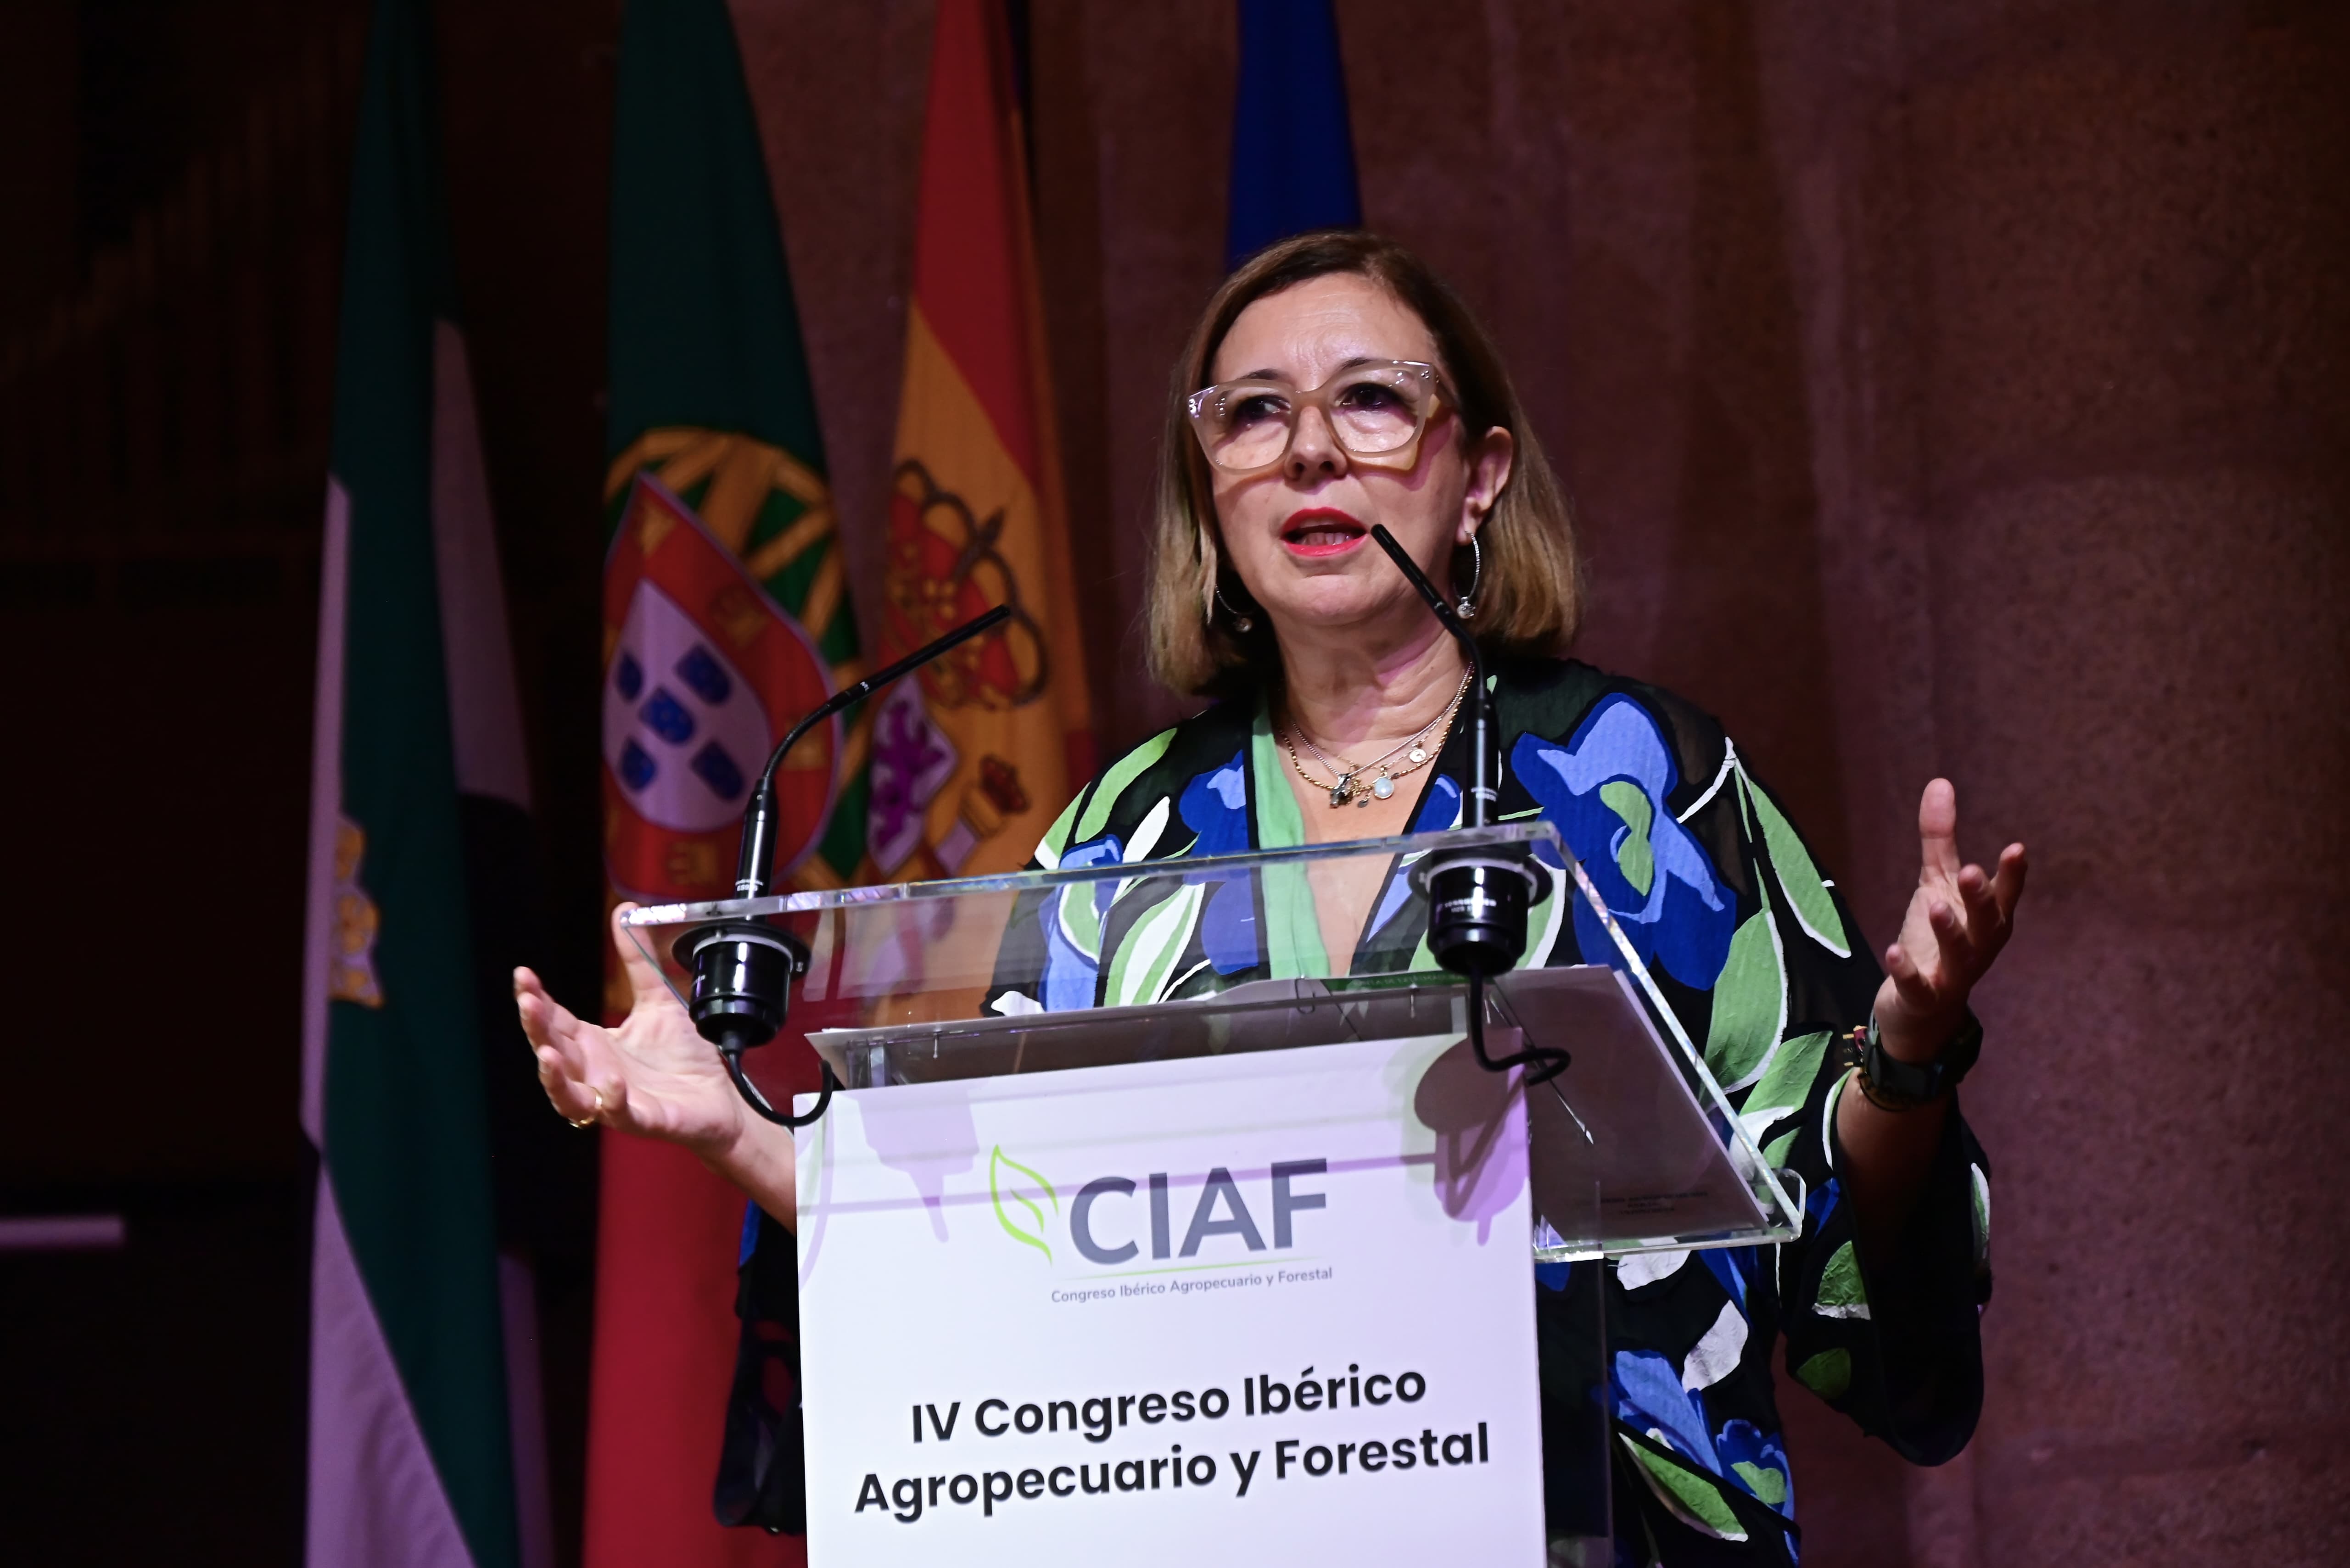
x: 1171, y: 1311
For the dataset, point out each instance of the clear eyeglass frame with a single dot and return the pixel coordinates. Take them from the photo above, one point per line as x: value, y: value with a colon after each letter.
x: 1362, y: 432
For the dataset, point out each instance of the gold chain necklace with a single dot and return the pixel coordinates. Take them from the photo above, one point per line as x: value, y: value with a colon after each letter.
x: 1342, y: 767
x: 1349, y: 789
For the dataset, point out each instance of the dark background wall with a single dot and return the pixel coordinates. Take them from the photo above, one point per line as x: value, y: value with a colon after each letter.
x: 1947, y: 386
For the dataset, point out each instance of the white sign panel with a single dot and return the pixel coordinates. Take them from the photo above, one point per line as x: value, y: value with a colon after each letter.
x: 1278, y: 1304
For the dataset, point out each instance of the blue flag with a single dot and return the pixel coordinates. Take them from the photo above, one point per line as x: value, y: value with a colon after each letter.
x: 1292, y: 152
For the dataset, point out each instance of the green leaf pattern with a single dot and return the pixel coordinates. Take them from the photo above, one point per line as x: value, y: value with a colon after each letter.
x: 1750, y: 1005
x: 1841, y: 1293
x: 1696, y: 1499
x: 1828, y: 1374
x: 1782, y: 1090
x: 1080, y: 917
x: 1143, y: 967
x: 1056, y: 842
x: 1768, y: 1484
x: 1091, y: 810
x: 1807, y: 894
x: 1750, y: 996
x: 1634, y: 855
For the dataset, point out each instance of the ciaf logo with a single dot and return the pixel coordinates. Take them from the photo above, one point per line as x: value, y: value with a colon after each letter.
x: 1107, y: 1224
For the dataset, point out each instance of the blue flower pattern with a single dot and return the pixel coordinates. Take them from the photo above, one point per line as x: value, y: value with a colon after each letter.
x: 1649, y: 1399
x: 1215, y: 807
x: 1605, y: 791
x: 1606, y: 788
x: 1072, y: 975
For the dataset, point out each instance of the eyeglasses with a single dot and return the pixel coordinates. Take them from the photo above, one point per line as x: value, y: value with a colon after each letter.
x: 1376, y: 410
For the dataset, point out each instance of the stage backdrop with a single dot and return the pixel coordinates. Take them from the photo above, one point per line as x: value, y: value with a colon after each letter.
x: 1946, y: 387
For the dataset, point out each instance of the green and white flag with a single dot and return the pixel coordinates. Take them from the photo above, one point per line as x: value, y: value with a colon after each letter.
x: 412, y: 1450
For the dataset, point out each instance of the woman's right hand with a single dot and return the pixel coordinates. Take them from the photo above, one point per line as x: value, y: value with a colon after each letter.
x: 652, y: 1076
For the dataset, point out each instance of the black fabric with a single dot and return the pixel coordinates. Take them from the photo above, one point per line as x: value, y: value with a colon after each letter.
x: 763, y: 1465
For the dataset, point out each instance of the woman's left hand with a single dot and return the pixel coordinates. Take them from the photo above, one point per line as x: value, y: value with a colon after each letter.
x: 1957, y: 921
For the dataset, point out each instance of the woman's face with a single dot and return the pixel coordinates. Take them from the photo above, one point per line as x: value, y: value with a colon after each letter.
x: 1298, y: 535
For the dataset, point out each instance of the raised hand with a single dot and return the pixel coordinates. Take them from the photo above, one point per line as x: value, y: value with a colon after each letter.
x: 1957, y: 922
x: 652, y: 1076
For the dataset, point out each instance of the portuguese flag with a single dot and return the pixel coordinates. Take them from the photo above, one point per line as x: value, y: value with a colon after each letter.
x: 972, y: 758
x: 411, y: 1457
x: 726, y: 615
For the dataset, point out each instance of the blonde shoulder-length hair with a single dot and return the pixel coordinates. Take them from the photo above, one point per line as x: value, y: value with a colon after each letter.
x: 1530, y: 595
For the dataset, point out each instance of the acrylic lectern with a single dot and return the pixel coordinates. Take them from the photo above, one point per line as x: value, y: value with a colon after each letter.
x: 1035, y: 1070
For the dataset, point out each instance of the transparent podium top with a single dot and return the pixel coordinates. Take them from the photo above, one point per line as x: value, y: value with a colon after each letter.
x: 1634, y: 1146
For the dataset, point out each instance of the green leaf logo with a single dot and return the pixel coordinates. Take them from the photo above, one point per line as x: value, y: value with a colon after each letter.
x: 1030, y: 1230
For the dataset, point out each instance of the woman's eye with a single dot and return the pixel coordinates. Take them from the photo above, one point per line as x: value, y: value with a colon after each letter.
x: 1254, y: 410
x: 1371, y: 398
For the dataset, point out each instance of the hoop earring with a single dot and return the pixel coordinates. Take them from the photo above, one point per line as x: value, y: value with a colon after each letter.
x: 1467, y: 609
x: 1240, y: 623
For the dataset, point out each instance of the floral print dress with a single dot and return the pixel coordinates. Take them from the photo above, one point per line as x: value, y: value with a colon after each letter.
x: 1751, y: 946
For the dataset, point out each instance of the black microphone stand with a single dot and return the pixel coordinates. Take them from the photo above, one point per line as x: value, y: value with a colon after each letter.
x: 1476, y: 898
x: 742, y: 969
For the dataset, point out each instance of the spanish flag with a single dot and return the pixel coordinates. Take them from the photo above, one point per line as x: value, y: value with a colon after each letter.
x: 971, y: 760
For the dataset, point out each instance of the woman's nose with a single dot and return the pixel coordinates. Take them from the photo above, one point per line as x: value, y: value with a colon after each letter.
x: 1314, y: 446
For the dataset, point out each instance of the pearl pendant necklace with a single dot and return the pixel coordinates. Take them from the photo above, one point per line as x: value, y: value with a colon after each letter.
x: 1345, y: 789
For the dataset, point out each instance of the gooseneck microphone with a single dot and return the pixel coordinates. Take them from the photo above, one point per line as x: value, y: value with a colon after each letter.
x: 1476, y: 898
x: 742, y: 969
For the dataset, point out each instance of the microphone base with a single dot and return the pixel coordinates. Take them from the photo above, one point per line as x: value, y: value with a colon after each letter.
x: 1477, y: 903
x: 743, y: 974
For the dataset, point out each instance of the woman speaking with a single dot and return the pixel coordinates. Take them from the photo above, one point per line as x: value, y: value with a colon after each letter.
x: 1334, y: 383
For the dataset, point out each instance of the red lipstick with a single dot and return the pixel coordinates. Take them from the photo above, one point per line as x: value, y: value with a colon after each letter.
x: 1321, y: 531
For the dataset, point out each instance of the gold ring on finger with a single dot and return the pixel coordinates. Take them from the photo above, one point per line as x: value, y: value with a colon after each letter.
x: 592, y: 1118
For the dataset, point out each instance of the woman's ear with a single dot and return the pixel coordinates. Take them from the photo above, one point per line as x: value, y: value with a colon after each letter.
x: 1488, y: 470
